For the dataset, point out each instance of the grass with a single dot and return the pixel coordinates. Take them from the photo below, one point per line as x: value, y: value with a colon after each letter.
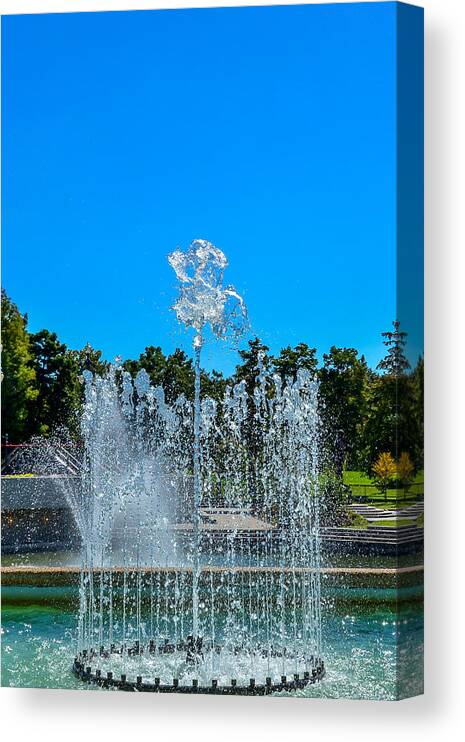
x: 395, y: 523
x: 364, y: 487
x: 359, y: 522
x: 359, y: 477
x: 356, y: 521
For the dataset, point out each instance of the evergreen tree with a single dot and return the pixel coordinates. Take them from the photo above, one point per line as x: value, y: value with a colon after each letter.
x: 19, y: 389
x: 394, y: 363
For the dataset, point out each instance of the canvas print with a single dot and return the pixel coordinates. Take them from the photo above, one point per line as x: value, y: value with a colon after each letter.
x: 212, y: 351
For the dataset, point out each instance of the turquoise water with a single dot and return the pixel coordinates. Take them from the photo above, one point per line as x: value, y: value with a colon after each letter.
x: 370, y: 651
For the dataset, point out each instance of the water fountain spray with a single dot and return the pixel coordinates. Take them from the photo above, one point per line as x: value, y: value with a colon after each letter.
x: 222, y: 597
x: 204, y: 301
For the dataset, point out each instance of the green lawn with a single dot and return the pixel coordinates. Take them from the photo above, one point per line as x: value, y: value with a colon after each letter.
x: 394, y: 523
x: 359, y: 522
x: 359, y: 477
x: 364, y: 489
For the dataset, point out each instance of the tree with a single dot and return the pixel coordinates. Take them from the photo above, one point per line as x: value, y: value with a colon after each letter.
x: 291, y: 360
x: 252, y: 359
x: 256, y: 355
x: 151, y: 360
x: 394, y: 412
x: 333, y: 499
x: 405, y: 470
x: 57, y: 374
x: 417, y: 397
x: 19, y: 388
x: 214, y: 385
x: 91, y: 360
x: 179, y: 376
x: 175, y: 373
x: 394, y: 363
x: 384, y: 471
x: 344, y: 380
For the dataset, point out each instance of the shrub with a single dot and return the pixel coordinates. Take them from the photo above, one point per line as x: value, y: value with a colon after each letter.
x: 355, y: 520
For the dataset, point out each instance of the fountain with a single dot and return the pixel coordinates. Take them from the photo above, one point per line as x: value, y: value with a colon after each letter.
x: 199, y: 520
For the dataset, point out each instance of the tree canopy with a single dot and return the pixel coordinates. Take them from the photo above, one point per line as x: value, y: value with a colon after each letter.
x: 344, y: 381
x: 364, y: 413
x: 19, y: 389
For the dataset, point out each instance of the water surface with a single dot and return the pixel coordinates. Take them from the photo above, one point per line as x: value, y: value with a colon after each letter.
x: 370, y: 650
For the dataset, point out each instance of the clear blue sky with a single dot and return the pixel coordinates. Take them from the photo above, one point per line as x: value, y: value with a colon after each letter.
x: 268, y: 131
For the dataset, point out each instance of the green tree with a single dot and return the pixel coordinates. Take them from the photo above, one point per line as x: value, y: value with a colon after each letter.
x: 151, y: 360
x: 344, y: 380
x: 175, y: 373
x: 291, y: 360
x: 253, y: 358
x: 179, y: 377
x: 214, y: 385
x: 394, y: 363
x: 58, y: 375
x: 19, y: 389
x: 333, y: 498
x: 417, y: 383
x: 392, y: 423
x: 394, y: 411
x: 91, y: 360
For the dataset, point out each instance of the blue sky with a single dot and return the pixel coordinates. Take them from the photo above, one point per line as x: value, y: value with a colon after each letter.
x: 268, y: 131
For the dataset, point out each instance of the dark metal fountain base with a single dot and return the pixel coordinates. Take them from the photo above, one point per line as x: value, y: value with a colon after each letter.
x: 84, y: 668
